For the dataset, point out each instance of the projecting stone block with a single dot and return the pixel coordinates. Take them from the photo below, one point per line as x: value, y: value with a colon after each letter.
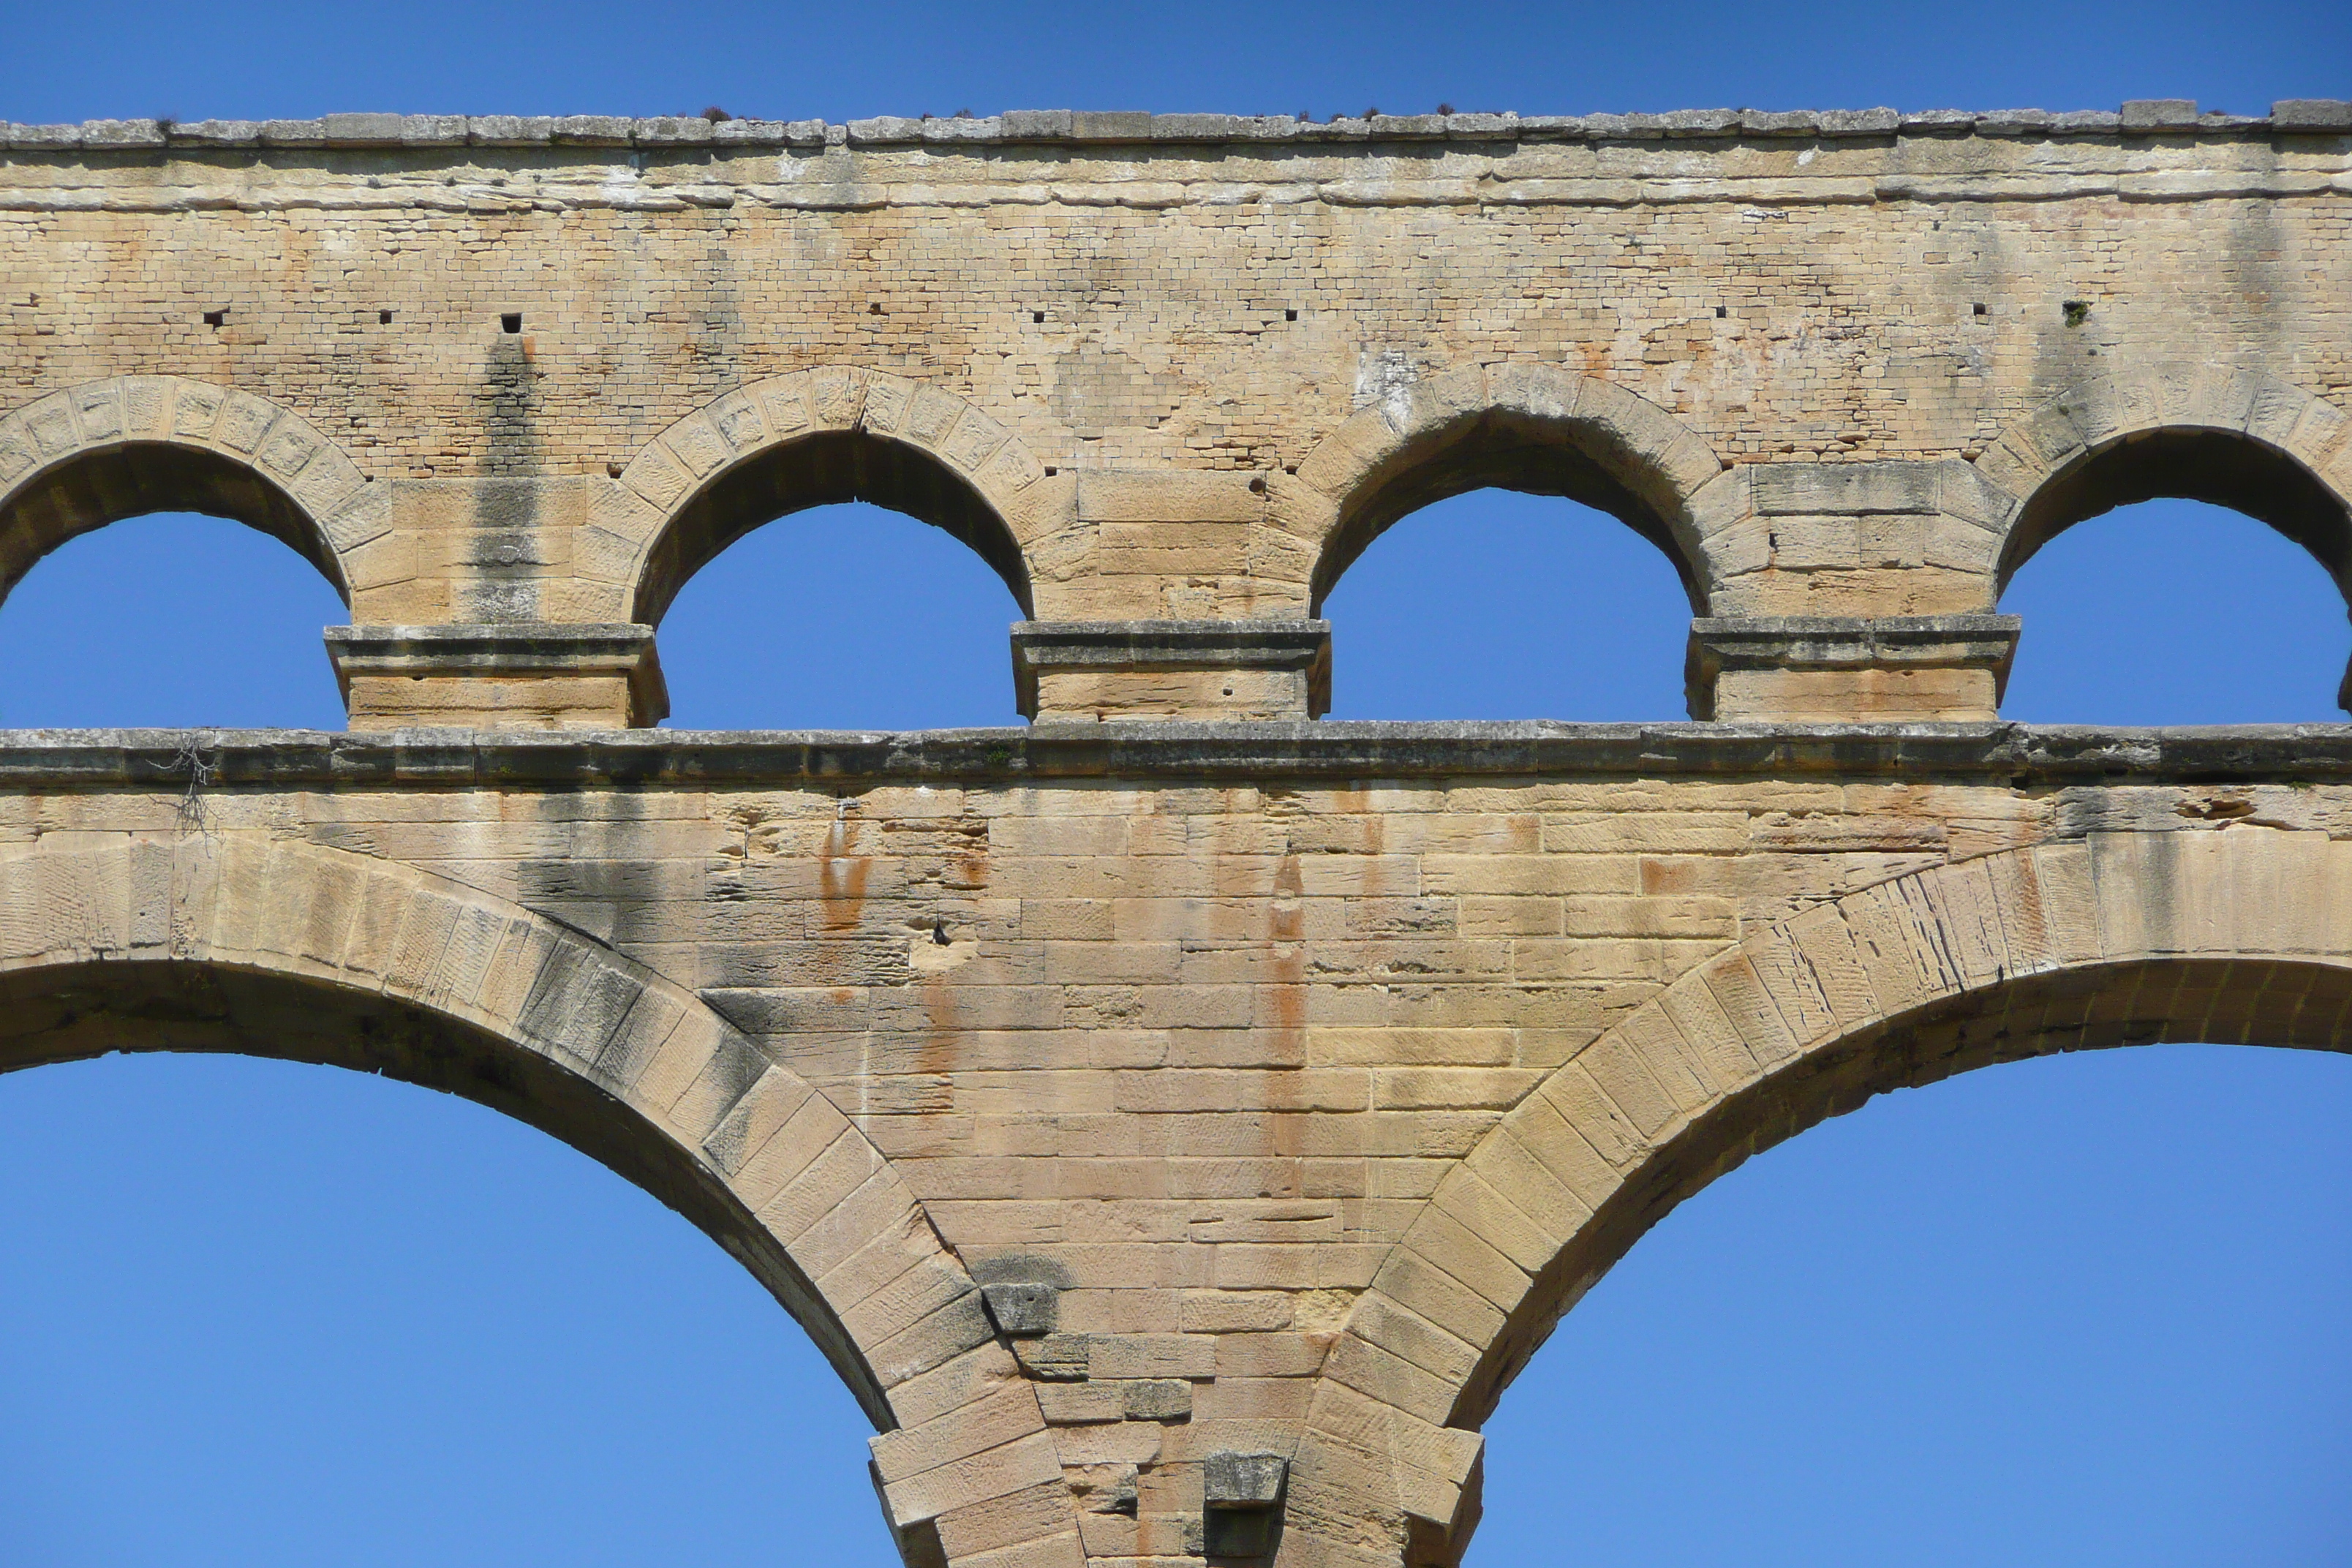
x: 1889, y: 669
x: 1172, y: 669
x: 1240, y: 1493
x: 2311, y: 114
x: 506, y: 676
x: 2160, y: 114
x: 1023, y: 1310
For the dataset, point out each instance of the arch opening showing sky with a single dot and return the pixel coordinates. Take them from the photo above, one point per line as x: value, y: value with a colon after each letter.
x: 170, y: 620
x: 841, y: 618
x: 2175, y: 612
x: 1496, y: 604
x: 316, y: 1316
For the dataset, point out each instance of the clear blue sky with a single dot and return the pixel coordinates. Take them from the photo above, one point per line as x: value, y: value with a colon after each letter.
x: 2015, y: 1318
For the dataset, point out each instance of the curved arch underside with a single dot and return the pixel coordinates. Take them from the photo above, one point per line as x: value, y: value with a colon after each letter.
x: 2224, y: 468
x: 2233, y: 438
x: 2157, y: 1001
x: 93, y: 489
x: 1495, y: 452
x: 1527, y: 427
x: 97, y: 453
x: 2237, y: 934
x: 825, y: 469
x: 229, y: 942
x: 71, y: 1012
x: 810, y: 437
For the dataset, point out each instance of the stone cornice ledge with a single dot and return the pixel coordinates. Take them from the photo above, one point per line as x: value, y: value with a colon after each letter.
x: 1141, y: 751
x: 2142, y: 117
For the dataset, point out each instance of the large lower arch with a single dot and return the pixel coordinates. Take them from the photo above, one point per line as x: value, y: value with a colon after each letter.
x: 230, y: 941
x: 2238, y: 933
x: 1520, y: 428
x: 811, y: 438
x: 94, y: 453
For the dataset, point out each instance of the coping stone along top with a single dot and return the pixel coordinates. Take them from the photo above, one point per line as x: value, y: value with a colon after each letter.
x: 2140, y: 117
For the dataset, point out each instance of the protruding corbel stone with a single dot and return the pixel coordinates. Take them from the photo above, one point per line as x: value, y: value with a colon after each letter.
x: 1173, y: 669
x: 1056, y: 1358
x: 1024, y: 1309
x: 499, y: 676
x: 1024, y: 1294
x: 1241, y: 1496
x: 1818, y: 669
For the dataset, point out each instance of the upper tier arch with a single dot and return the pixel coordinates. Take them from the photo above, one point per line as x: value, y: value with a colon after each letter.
x: 94, y: 453
x: 809, y: 439
x: 2234, y: 935
x: 2238, y: 439
x: 1518, y: 426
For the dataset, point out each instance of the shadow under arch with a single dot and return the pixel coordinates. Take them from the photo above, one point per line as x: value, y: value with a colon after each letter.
x: 815, y: 438
x: 2223, y: 468
x: 2228, y: 935
x: 225, y: 942
x: 80, y: 460
x: 2239, y: 440
x: 1518, y: 427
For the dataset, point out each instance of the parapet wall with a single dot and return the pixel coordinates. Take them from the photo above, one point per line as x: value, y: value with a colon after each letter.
x: 1169, y: 374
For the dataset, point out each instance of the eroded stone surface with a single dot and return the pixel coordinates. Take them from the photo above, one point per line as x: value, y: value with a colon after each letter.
x: 1113, y: 1095
x: 1163, y: 369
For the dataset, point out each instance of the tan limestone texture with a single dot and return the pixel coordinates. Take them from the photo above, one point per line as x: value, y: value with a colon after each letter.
x: 1177, y: 1120
x: 1101, y: 1123
x: 1174, y: 368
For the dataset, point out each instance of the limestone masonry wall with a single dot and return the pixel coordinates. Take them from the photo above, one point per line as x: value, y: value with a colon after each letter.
x: 1179, y: 1119
x: 1179, y: 368
x: 1103, y: 1120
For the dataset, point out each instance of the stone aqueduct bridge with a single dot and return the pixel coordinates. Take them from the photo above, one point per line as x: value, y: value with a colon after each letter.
x: 1179, y: 1119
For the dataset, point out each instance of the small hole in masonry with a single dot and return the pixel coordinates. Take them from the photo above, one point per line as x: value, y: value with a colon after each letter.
x: 612, y: 470
x: 383, y: 317
x: 1036, y: 315
x: 1290, y: 315
x: 875, y: 308
x: 1721, y: 312
x: 1978, y: 309
x: 1051, y: 472
x: 1257, y: 485
x: 216, y: 318
x: 1291, y: 468
x: 510, y: 322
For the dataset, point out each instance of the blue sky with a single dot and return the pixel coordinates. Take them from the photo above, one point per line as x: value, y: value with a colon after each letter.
x: 268, y: 1315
